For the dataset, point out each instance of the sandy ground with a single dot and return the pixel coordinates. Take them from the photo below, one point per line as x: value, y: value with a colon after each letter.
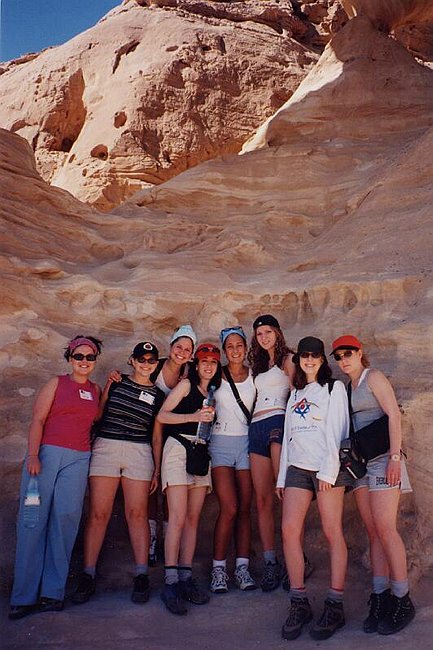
x: 240, y: 620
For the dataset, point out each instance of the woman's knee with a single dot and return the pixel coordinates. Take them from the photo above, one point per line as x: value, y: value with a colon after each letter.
x: 290, y: 532
x: 136, y: 515
x: 228, y: 511
x: 264, y: 501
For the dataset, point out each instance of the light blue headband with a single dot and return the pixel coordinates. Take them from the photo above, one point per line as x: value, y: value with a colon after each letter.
x: 184, y: 330
x: 236, y: 329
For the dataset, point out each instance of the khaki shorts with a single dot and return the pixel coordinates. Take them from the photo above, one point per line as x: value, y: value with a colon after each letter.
x: 116, y: 458
x: 375, y: 478
x: 173, y: 468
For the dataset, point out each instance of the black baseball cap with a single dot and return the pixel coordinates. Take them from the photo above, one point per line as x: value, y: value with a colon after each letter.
x: 145, y: 347
x: 266, y: 319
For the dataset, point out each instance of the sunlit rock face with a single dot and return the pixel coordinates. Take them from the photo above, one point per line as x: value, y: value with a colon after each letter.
x: 152, y: 90
x: 324, y: 220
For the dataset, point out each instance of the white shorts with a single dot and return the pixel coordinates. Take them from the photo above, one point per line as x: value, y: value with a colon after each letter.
x: 116, y: 458
x: 173, y: 468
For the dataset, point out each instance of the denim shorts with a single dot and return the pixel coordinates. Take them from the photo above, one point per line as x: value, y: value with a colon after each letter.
x: 229, y: 451
x: 262, y: 433
x: 306, y: 479
x: 375, y: 478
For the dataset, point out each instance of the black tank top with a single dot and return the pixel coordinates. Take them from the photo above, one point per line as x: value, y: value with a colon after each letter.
x: 189, y: 404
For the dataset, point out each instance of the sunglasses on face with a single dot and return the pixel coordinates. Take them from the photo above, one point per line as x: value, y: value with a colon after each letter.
x: 80, y: 357
x: 343, y: 355
x: 208, y: 349
x: 151, y: 360
x: 307, y: 355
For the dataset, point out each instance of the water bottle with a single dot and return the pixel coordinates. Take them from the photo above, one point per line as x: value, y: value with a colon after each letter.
x: 32, y: 503
x: 204, y: 428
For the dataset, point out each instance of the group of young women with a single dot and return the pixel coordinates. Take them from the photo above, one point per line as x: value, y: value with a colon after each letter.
x: 277, y: 424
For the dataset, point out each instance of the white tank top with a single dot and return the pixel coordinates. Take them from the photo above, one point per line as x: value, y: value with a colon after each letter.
x: 160, y: 382
x: 273, y: 387
x: 231, y: 420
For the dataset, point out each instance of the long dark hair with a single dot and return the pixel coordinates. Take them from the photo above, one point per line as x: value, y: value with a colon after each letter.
x: 258, y: 358
x: 300, y: 378
x: 194, y: 378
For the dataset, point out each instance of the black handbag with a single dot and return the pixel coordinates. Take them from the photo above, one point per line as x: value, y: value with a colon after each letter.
x: 197, y: 455
x: 373, y: 439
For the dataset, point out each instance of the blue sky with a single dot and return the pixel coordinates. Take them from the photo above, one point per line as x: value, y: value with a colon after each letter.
x: 31, y: 25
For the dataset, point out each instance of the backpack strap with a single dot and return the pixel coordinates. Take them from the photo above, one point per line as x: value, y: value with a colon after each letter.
x: 349, y: 399
x: 237, y: 397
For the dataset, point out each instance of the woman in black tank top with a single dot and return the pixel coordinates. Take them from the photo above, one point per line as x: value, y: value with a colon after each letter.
x: 183, y: 410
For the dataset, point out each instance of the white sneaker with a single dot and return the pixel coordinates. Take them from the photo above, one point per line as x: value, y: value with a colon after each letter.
x: 219, y: 578
x: 243, y: 578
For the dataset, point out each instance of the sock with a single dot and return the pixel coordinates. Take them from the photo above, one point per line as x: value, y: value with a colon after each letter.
x: 185, y: 572
x: 298, y: 594
x: 399, y: 588
x: 270, y: 556
x: 141, y: 568
x: 152, y: 526
x: 242, y: 560
x: 335, y: 595
x: 90, y: 570
x: 380, y: 584
x: 171, y: 575
x: 216, y: 563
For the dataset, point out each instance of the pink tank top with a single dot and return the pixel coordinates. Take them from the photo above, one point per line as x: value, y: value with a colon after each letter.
x: 72, y: 413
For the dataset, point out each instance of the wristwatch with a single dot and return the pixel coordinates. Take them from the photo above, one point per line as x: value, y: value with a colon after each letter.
x: 395, y: 457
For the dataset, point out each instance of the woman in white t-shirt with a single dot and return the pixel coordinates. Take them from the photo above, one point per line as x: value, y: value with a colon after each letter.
x: 231, y: 477
x: 317, y: 419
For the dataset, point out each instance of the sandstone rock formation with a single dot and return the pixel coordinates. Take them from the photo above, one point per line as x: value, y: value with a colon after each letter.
x: 324, y: 220
x: 152, y: 90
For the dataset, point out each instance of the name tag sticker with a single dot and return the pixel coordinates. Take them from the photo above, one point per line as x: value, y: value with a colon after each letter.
x: 145, y: 397
x: 85, y: 394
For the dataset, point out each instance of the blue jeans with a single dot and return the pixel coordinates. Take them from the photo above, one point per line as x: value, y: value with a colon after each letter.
x: 43, y: 553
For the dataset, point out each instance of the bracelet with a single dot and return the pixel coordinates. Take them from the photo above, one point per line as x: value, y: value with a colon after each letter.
x: 395, y: 457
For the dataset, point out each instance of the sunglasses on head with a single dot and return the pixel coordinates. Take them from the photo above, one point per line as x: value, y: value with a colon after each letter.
x: 338, y: 356
x: 307, y: 355
x: 207, y: 348
x: 147, y: 360
x: 80, y: 357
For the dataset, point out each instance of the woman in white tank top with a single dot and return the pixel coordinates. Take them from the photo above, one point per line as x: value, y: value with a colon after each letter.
x: 231, y: 477
x: 272, y: 369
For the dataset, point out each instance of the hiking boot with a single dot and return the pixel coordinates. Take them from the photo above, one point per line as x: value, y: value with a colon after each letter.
x: 271, y: 576
x: 19, y: 611
x: 171, y: 598
x: 141, y: 589
x: 85, y: 588
x: 299, y: 614
x: 189, y: 590
x: 400, y: 613
x: 50, y: 605
x: 243, y: 578
x: 153, y: 554
x: 379, y: 606
x: 218, y: 582
x: 331, y: 620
